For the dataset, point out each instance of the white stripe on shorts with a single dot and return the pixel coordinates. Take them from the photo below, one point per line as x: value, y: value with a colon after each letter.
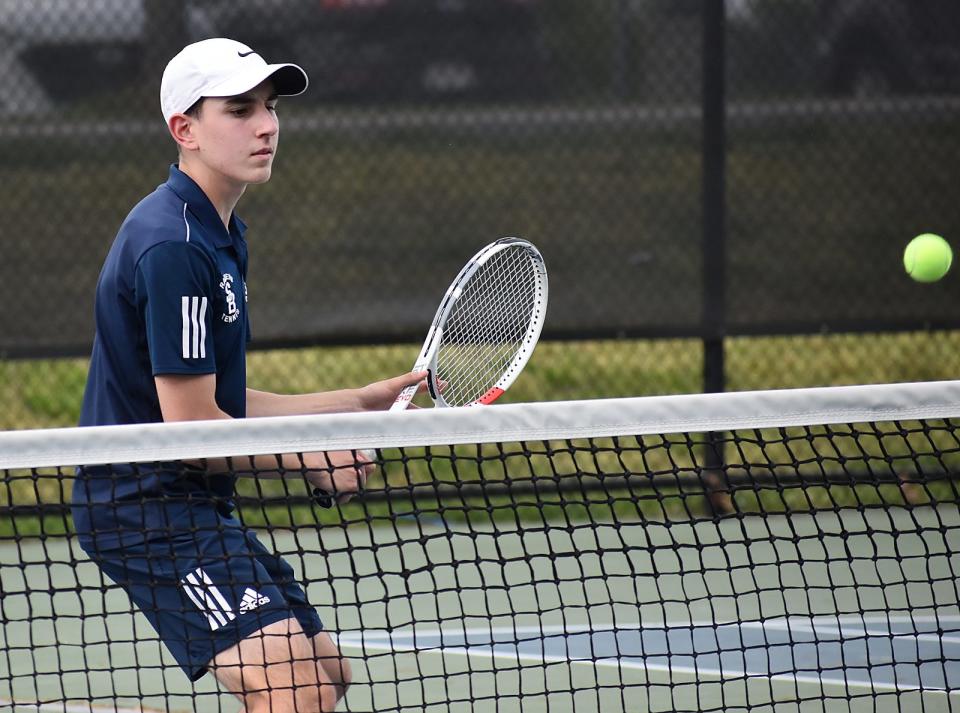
x: 208, y: 599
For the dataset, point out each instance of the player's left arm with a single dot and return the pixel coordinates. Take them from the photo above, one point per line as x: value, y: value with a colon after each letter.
x: 377, y: 396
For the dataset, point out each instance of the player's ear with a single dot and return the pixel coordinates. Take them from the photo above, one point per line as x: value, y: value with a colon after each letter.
x: 182, y: 129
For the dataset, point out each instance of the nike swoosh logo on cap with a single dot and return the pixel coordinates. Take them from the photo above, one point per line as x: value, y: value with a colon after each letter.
x: 245, y: 54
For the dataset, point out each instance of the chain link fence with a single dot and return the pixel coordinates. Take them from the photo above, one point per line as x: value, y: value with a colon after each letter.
x: 435, y: 126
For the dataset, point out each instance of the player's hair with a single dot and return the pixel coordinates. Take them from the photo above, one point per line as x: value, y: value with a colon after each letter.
x: 194, y: 110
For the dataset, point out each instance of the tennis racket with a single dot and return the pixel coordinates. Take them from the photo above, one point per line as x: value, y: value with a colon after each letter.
x: 486, y: 327
x: 484, y: 331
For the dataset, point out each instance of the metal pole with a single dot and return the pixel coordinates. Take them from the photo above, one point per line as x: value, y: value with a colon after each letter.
x: 714, y: 189
x: 714, y: 239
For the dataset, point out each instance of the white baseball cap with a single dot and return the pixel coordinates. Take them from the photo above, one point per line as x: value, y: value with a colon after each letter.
x: 221, y: 68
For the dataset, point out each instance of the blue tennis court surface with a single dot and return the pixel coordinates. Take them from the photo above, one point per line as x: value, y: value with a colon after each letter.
x: 884, y: 654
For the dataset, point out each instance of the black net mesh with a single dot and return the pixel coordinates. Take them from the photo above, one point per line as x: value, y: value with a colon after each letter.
x: 809, y: 567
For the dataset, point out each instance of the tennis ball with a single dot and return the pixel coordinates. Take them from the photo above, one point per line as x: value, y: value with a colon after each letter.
x: 927, y: 257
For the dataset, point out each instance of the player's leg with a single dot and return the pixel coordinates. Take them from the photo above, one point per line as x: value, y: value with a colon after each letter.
x: 218, y: 597
x: 207, y: 590
x: 335, y: 667
x: 275, y: 670
x: 331, y: 665
x: 326, y: 657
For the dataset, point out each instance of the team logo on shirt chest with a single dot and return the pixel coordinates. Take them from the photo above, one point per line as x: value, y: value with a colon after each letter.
x: 232, y: 312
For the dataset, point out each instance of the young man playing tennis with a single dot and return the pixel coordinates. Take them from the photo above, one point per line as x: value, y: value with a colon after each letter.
x: 170, y: 345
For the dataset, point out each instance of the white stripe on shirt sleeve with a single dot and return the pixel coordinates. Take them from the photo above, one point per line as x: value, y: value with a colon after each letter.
x: 203, y: 328
x: 193, y: 327
x: 185, y: 328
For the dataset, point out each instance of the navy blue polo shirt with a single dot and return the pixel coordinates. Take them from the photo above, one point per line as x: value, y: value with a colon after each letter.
x: 171, y: 299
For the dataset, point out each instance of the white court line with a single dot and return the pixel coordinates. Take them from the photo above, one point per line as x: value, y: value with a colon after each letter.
x: 876, y: 633
x: 67, y: 707
x: 622, y: 664
x: 832, y: 625
x: 635, y: 626
x: 391, y: 644
x: 881, y: 618
x: 466, y: 631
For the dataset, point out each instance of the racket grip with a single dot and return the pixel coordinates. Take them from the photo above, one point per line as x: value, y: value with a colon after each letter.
x: 404, y: 398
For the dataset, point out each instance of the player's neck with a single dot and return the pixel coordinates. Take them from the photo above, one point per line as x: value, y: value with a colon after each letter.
x: 223, y: 192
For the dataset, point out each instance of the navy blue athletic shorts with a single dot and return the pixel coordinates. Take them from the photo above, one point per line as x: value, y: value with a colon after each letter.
x: 206, y: 591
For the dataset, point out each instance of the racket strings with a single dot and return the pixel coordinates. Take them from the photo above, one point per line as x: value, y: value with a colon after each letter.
x: 487, y: 326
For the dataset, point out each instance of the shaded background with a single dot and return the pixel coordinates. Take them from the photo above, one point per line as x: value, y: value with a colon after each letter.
x: 722, y: 190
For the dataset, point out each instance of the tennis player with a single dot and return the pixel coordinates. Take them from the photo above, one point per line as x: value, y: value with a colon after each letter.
x: 170, y: 345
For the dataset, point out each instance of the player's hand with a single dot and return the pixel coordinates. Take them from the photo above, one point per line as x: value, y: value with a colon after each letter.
x: 380, y: 395
x: 339, y: 474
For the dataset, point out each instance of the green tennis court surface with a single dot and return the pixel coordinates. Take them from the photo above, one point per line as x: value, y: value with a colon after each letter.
x: 556, y: 621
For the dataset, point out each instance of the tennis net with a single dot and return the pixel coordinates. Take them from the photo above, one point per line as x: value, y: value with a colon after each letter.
x: 791, y: 550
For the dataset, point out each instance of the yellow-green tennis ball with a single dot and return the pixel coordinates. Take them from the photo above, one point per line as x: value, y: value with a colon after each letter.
x: 927, y: 257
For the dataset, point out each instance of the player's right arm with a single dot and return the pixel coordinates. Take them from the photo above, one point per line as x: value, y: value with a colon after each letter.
x: 192, y: 398
x: 175, y: 288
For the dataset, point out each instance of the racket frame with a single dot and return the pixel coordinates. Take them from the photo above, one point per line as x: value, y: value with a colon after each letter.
x: 427, y: 359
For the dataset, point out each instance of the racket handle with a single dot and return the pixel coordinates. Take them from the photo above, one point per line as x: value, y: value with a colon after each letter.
x: 404, y: 398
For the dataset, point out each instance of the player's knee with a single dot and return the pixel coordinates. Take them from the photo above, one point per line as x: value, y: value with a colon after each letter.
x: 313, y: 697
x: 334, y: 668
x: 324, y: 691
x: 327, y: 698
x: 345, y: 672
x: 263, y: 699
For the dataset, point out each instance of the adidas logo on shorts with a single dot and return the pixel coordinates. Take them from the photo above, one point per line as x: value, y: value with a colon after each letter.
x: 251, y: 600
x: 213, y: 604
